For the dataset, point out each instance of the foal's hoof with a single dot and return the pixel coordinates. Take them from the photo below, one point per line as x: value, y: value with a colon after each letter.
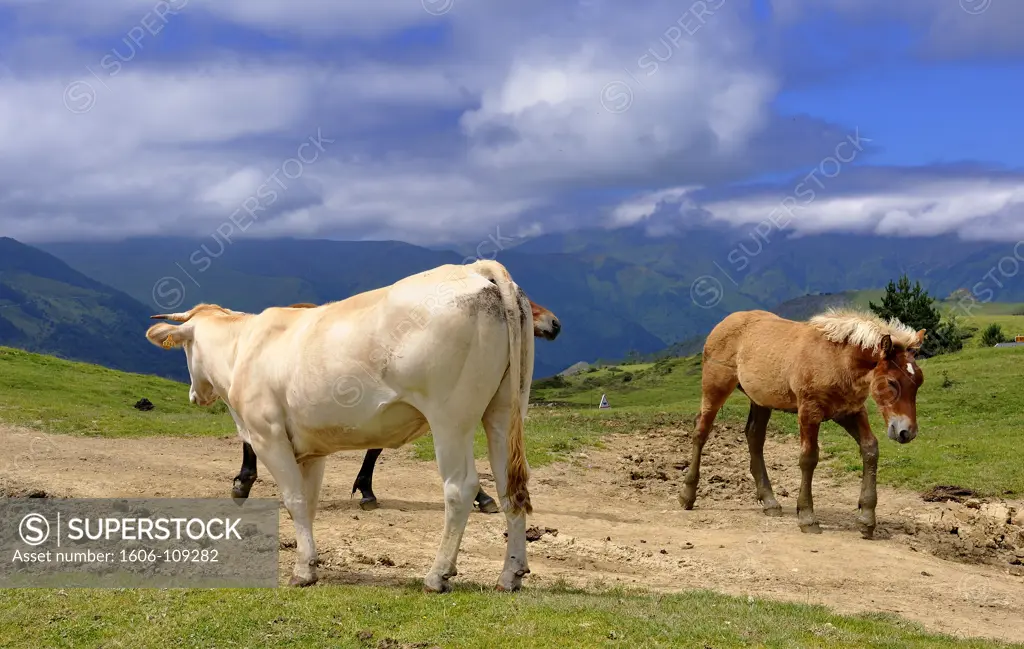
x: 436, y: 584
x: 302, y: 582
x: 773, y: 511
x: 687, y: 500
x: 489, y: 506
x: 867, y: 531
x: 810, y: 528
x: 368, y: 504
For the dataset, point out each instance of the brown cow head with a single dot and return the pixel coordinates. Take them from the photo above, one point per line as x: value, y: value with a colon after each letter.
x: 545, y: 323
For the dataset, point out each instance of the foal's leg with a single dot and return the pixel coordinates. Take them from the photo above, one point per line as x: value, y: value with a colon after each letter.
x: 364, y: 480
x: 715, y: 395
x: 859, y: 427
x: 757, y: 430
x: 809, y: 427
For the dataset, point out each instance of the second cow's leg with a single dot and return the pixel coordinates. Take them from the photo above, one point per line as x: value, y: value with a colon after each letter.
x: 364, y: 481
x: 364, y: 484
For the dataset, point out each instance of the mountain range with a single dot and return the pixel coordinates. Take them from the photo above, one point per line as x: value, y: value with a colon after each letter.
x: 615, y: 291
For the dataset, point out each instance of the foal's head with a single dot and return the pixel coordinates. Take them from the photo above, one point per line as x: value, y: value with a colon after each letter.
x: 894, y: 384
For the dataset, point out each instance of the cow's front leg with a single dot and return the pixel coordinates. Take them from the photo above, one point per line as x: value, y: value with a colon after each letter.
x: 458, y: 474
x: 275, y: 450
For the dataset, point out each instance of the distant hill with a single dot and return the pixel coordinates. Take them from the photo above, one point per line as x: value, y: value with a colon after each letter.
x: 47, y: 307
x: 616, y: 291
x: 252, y: 275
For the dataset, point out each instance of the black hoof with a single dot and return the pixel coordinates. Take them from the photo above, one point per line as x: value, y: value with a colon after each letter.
x: 240, y: 490
x: 488, y: 506
x: 368, y: 504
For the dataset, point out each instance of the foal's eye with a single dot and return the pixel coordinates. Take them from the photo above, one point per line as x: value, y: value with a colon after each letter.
x: 894, y: 385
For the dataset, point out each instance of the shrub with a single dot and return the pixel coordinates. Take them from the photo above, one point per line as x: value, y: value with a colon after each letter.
x: 993, y: 335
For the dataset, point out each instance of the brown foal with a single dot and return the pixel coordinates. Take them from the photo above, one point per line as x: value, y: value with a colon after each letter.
x: 822, y: 370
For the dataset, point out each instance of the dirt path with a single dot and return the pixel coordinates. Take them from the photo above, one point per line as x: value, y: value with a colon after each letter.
x: 618, y: 522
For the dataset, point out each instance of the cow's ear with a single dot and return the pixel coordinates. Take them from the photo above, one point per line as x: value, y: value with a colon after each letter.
x: 169, y: 336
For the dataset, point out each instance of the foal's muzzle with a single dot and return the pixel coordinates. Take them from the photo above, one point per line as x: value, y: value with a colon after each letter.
x: 902, y: 430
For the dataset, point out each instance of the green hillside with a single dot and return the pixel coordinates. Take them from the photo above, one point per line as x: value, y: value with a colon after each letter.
x: 61, y: 396
x: 46, y: 306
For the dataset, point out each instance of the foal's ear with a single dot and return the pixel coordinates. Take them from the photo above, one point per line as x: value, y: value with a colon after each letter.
x: 885, y: 346
x: 918, y: 342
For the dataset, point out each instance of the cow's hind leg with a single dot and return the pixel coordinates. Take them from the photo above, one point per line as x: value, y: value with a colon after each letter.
x: 364, y: 481
x: 247, y: 475
x: 496, y: 421
x: 757, y: 430
x: 717, y: 384
x: 453, y: 447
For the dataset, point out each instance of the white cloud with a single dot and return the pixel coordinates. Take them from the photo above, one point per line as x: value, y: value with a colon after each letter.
x: 499, y: 119
x: 924, y: 204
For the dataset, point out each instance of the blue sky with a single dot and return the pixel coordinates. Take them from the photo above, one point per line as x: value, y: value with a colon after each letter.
x: 433, y: 121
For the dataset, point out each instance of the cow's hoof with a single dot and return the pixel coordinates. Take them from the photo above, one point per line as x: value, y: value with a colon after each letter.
x: 368, y: 504
x: 240, y: 490
x: 489, y: 506
x: 436, y: 584
x: 510, y: 582
x: 302, y: 582
x: 810, y: 528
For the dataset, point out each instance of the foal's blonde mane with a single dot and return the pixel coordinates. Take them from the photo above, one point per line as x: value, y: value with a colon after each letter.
x: 865, y: 330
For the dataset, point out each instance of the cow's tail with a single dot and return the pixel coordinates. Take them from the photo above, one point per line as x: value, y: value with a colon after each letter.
x: 520, y: 370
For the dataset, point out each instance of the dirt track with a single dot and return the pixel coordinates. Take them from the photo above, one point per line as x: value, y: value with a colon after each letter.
x: 618, y: 522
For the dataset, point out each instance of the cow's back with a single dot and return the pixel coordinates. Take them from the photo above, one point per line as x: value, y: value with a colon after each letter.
x: 348, y: 370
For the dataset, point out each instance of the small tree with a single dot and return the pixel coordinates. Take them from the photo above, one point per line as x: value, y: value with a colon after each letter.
x: 993, y: 335
x: 911, y: 305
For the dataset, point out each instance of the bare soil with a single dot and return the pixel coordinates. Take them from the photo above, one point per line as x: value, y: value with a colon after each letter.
x: 607, y: 517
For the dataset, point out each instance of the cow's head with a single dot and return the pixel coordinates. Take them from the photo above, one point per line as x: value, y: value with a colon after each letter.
x: 545, y: 323
x: 202, y: 391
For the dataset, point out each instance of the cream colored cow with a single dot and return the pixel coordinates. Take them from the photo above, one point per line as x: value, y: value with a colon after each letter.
x: 443, y: 349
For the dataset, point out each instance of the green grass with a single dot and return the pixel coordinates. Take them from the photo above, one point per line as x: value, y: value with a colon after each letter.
x: 469, y: 617
x: 60, y: 396
x: 971, y: 430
